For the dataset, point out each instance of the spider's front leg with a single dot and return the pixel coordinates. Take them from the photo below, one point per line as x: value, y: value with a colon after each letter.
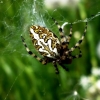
x: 43, y: 61
x: 79, y: 42
x: 79, y: 55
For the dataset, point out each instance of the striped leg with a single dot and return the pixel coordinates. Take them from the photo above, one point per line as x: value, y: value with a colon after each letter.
x: 63, y: 38
x: 79, y: 55
x: 70, y: 34
x: 31, y: 53
x: 79, y: 42
x: 56, y: 68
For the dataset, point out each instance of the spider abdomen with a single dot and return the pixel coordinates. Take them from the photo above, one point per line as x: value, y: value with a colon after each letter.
x: 45, y: 41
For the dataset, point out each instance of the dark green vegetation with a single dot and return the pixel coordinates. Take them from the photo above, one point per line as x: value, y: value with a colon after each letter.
x: 24, y: 76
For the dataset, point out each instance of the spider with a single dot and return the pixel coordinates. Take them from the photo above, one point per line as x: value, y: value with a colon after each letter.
x: 51, y: 48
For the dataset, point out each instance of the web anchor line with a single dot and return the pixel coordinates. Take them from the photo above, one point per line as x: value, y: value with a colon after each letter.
x: 85, y: 20
x: 13, y: 84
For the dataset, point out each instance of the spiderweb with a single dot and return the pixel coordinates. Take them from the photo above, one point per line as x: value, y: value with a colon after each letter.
x: 36, y: 81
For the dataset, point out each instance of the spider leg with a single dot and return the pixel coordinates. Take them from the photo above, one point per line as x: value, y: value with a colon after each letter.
x: 31, y: 53
x: 79, y: 55
x: 56, y: 68
x: 79, y: 42
x: 70, y: 34
x: 63, y: 38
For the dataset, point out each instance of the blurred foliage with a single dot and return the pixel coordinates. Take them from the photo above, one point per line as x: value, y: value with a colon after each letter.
x: 23, y: 77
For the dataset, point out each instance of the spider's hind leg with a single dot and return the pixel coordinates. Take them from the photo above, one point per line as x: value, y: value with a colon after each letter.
x: 70, y: 34
x: 56, y: 68
x: 63, y: 37
x: 31, y: 53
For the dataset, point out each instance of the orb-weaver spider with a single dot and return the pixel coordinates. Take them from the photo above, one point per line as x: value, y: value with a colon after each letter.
x: 51, y: 48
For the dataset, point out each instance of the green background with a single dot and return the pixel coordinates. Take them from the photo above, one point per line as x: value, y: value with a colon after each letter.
x: 23, y: 77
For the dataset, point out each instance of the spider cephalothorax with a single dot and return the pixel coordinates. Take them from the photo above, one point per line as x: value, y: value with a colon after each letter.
x: 51, y: 48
